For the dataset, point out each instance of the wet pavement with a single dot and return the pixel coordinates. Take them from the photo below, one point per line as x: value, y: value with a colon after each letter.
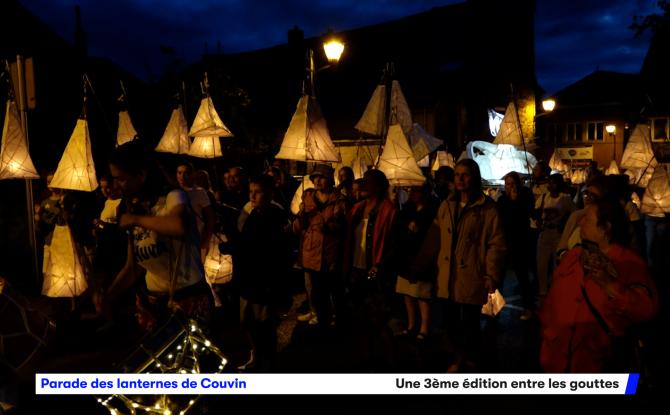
x: 510, y: 346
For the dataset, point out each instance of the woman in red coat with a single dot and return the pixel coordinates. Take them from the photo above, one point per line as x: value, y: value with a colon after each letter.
x: 600, y: 289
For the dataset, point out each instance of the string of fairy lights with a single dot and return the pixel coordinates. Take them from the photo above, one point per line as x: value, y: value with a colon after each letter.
x: 188, y: 351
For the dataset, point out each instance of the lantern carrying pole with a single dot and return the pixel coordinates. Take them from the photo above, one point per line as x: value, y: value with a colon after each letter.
x: 30, y: 207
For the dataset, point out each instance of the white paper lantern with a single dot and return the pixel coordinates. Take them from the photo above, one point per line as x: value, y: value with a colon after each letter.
x: 76, y: 170
x: 15, y: 162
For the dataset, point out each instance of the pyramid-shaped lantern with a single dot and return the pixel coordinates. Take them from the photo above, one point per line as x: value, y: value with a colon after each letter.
x: 175, y: 138
x: 372, y: 121
x: 638, y: 153
x: 613, y: 169
x: 509, y: 132
x: 207, y: 121
x: 126, y: 131
x: 398, y: 162
x: 443, y: 158
x: 63, y: 272
x: 76, y: 170
x: 15, y: 162
x: 556, y: 163
x: 422, y: 143
x: 374, y: 116
x: 307, y: 137
x: 656, y: 199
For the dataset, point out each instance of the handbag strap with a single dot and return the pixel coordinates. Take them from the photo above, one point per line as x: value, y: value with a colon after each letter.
x: 595, y: 312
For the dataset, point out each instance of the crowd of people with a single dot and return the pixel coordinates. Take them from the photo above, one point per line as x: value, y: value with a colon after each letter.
x: 580, y: 258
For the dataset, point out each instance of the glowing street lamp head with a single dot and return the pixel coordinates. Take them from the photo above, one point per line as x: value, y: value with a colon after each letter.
x: 333, y: 49
x: 610, y: 128
x: 548, y: 105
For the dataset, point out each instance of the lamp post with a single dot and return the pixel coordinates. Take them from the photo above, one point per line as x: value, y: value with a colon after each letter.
x: 333, y: 49
x: 611, y: 130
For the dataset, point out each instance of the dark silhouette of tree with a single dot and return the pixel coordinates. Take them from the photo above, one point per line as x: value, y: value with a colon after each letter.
x: 654, y: 22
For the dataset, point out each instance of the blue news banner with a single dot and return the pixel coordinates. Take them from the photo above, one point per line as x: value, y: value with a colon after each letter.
x: 335, y: 384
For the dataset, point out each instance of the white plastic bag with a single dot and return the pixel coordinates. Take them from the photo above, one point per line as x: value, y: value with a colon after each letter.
x: 495, y: 303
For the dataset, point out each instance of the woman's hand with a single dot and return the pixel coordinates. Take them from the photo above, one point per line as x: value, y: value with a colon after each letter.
x: 128, y: 220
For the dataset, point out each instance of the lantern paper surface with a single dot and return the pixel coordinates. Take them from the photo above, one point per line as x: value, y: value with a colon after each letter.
x: 400, y: 112
x: 372, y: 121
x: 443, y: 158
x: 76, y: 170
x: 207, y: 147
x: 15, y: 162
x: 496, y: 160
x: 218, y: 267
x: 374, y: 116
x: 398, y: 162
x: 422, y: 143
x: 307, y: 137
x: 557, y: 164
x: 641, y: 176
x: 612, y: 169
x: 175, y: 138
x: 656, y: 199
x: 63, y: 272
x: 509, y: 131
x: 126, y: 131
x: 207, y: 121
x: 638, y: 153
x: 297, y: 196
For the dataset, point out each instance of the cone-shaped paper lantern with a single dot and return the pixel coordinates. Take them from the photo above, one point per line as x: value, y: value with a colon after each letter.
x: 656, y: 199
x: 638, y: 153
x: 126, y: 131
x: 15, y: 162
x: 360, y: 166
x: 578, y: 176
x: 372, y: 121
x: 207, y: 121
x: 612, y: 169
x: 207, y: 147
x: 556, y: 164
x: 175, y: 138
x: 443, y: 159
x: 218, y: 267
x: 422, y: 143
x: 63, y: 272
x: 400, y: 112
x: 398, y: 162
x: 76, y: 170
x: 509, y: 132
x: 307, y: 137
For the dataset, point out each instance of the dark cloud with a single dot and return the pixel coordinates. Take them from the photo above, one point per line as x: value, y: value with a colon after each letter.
x: 573, y: 37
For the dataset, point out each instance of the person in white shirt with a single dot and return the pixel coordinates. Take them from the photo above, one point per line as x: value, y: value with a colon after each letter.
x: 200, y: 202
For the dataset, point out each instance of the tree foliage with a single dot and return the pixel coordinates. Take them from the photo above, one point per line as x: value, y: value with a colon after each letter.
x: 654, y: 21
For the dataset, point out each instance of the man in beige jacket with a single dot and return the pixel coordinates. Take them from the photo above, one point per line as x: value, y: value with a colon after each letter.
x: 467, y: 238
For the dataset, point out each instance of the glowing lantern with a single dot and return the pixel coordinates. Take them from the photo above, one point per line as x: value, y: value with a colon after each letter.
x: 62, y: 269
x: 398, y: 162
x: 15, y: 162
x: 76, y: 170
x: 175, y: 138
x: 126, y: 132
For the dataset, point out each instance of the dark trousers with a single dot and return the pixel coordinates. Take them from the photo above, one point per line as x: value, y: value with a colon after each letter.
x: 463, y: 329
x: 518, y: 261
x: 327, y: 292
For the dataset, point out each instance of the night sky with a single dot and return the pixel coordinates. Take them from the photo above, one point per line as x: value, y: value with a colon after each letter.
x: 573, y: 37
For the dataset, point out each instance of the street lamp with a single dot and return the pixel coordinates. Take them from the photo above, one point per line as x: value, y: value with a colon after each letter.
x: 611, y: 129
x: 548, y: 105
x: 333, y: 49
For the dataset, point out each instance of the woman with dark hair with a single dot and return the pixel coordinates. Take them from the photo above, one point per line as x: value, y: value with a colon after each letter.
x: 600, y: 290
x: 163, y: 241
x: 371, y: 230
x: 467, y: 238
x: 416, y: 285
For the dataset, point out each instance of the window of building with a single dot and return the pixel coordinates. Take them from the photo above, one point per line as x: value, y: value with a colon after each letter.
x: 659, y: 129
x: 595, y: 131
x: 555, y: 133
x: 574, y: 132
